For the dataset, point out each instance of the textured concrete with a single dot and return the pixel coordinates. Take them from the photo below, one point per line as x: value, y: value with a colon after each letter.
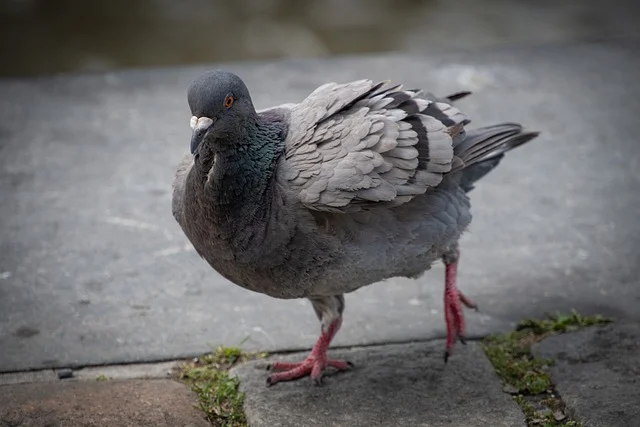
x: 122, y: 372
x: 395, y: 385
x: 597, y: 373
x: 113, y: 372
x: 28, y: 377
x: 159, y: 403
x: 95, y: 270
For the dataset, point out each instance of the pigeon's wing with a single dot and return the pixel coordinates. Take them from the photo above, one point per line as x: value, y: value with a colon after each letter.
x: 363, y: 144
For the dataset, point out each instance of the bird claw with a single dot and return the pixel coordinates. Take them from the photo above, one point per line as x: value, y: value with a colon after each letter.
x: 467, y: 302
x: 314, y: 368
x: 454, y: 314
x: 447, y: 352
x: 314, y: 365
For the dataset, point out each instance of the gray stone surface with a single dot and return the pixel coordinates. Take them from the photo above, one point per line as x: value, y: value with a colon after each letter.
x: 154, y: 403
x: 91, y: 373
x: 95, y: 270
x: 122, y: 372
x: 597, y: 373
x: 28, y: 377
x: 395, y: 385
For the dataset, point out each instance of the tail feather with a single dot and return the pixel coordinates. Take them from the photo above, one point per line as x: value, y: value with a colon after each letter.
x: 477, y: 152
x: 448, y: 99
x: 473, y: 173
x: 458, y: 95
x: 482, y: 149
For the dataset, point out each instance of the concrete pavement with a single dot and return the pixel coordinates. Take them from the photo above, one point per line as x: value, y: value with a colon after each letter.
x: 95, y: 270
x: 151, y: 403
x: 595, y: 371
x: 392, y: 385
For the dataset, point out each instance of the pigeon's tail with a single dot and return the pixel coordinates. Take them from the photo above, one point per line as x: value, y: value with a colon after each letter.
x: 456, y: 96
x: 482, y: 149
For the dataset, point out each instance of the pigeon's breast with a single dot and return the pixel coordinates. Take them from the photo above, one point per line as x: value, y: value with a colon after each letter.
x: 297, y: 253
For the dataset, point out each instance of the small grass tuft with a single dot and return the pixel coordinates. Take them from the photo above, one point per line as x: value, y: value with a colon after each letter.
x: 513, y: 363
x: 102, y: 378
x: 527, y: 376
x: 561, y: 323
x: 218, y: 392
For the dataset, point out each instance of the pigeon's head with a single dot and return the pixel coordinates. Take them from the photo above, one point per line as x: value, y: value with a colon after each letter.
x: 220, y: 106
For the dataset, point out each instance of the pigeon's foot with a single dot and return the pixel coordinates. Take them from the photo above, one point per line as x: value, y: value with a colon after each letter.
x: 454, y: 316
x: 314, y: 365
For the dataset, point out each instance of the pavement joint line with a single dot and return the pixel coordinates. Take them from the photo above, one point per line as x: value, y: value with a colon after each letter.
x: 36, y: 375
x: 527, y: 403
x: 526, y: 376
x: 191, y: 356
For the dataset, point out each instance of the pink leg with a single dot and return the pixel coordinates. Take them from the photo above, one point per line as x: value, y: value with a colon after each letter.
x: 453, y: 301
x: 314, y: 365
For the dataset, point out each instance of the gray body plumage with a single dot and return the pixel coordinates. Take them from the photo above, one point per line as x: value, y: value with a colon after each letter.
x: 358, y: 183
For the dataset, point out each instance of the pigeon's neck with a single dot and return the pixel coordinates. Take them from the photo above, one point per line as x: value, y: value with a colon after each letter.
x: 238, y: 174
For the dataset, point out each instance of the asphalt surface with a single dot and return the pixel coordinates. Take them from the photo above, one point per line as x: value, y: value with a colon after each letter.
x: 94, y: 269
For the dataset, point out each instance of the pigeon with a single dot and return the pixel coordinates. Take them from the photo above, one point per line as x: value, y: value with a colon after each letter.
x: 359, y: 182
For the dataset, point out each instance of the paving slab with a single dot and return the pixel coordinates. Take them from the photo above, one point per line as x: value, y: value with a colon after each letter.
x: 112, y: 372
x: 157, y: 403
x: 94, y: 269
x: 394, y: 385
x: 137, y: 370
x: 597, y: 373
x: 28, y: 377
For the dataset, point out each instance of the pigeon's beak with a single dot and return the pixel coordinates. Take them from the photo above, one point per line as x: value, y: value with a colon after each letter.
x: 199, y: 126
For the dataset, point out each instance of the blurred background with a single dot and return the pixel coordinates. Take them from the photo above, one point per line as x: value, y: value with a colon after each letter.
x: 42, y: 37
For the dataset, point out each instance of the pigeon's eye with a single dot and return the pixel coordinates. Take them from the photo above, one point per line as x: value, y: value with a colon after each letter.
x: 228, y: 102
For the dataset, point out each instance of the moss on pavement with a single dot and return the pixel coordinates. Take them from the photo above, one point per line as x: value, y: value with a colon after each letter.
x: 526, y: 377
x: 218, y: 392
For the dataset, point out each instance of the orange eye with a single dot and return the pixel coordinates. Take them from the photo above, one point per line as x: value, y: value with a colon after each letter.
x: 228, y: 102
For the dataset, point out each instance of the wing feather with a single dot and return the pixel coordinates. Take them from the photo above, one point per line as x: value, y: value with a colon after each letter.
x: 362, y: 144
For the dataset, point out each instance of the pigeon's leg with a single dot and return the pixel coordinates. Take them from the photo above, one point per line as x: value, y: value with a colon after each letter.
x: 329, y: 311
x: 453, y: 301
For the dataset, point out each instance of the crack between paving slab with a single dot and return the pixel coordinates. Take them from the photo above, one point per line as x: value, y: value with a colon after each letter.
x: 526, y: 377
x: 547, y: 409
x: 536, y: 394
x: 182, y: 358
